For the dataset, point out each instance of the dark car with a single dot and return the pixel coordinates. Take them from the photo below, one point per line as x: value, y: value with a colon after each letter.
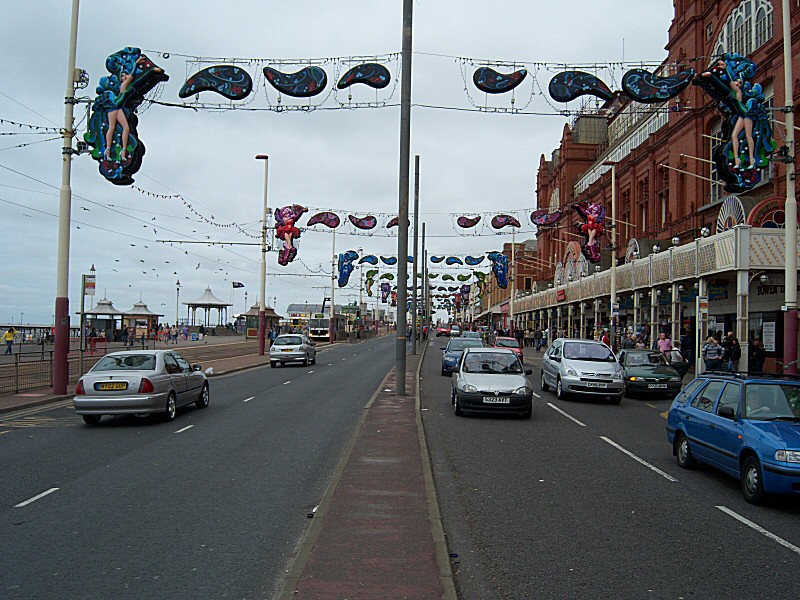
x: 747, y: 426
x: 647, y: 373
x: 452, y: 352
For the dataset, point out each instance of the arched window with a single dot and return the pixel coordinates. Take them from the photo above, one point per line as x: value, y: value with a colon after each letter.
x: 748, y: 27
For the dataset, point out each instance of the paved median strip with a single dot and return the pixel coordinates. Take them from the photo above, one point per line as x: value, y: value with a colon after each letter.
x: 35, y: 498
x: 569, y: 416
x: 760, y: 529
x: 639, y: 460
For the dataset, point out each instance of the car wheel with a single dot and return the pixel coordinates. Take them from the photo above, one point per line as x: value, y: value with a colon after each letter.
x: 752, y: 481
x: 273, y: 364
x: 172, y: 407
x: 444, y: 373
x: 683, y: 453
x: 202, y: 401
x: 457, y: 405
x: 528, y: 413
x: 91, y: 419
x: 543, y: 383
x: 559, y: 390
x: 314, y: 360
x: 452, y: 395
x: 615, y: 399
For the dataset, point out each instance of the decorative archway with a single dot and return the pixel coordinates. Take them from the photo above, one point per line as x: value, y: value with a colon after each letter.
x: 731, y: 214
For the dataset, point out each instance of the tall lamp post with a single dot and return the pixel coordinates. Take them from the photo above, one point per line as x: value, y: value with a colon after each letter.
x: 177, y: 300
x: 613, y: 227
x: 262, y: 299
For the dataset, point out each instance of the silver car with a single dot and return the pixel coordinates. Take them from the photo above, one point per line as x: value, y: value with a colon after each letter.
x: 292, y: 347
x: 140, y: 382
x: 491, y: 380
x: 584, y: 367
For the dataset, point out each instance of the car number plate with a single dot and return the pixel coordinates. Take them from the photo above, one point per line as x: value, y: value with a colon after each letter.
x: 657, y: 386
x: 496, y: 400
x: 286, y: 350
x: 111, y: 385
x: 595, y: 384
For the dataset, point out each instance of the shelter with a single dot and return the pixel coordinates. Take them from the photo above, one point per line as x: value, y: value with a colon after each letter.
x: 207, y: 302
x: 250, y: 320
x: 104, y: 318
x: 140, y: 319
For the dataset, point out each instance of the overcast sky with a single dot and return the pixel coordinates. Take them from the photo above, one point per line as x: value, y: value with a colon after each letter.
x: 343, y: 159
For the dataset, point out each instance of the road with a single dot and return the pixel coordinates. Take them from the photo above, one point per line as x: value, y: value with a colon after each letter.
x: 586, y: 501
x: 211, y: 505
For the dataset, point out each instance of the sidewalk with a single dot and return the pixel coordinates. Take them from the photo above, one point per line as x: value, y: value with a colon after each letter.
x: 377, y: 532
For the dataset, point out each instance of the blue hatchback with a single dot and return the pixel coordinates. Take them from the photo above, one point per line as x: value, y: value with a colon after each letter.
x: 745, y: 425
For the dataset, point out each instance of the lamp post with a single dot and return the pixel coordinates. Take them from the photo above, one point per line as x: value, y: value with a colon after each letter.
x: 613, y: 227
x: 262, y: 313
x: 414, y: 310
x: 177, y: 300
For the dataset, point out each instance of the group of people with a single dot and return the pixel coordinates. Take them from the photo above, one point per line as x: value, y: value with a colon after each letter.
x: 725, y: 354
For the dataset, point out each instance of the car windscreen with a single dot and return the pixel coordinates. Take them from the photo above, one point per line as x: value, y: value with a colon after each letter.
x: 500, y: 343
x: 128, y: 362
x: 635, y: 359
x: 288, y: 340
x: 772, y: 401
x: 492, y: 363
x: 461, y: 343
x: 587, y: 351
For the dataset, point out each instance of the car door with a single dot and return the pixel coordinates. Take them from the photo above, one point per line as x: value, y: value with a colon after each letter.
x: 550, y: 365
x: 698, y: 420
x: 177, y: 377
x: 194, y: 379
x: 724, y: 433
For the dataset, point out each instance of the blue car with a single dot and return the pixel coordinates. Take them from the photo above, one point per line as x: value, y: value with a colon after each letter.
x: 747, y: 426
x: 451, y: 353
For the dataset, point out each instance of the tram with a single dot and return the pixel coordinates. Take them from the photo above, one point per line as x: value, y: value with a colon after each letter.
x: 319, y: 327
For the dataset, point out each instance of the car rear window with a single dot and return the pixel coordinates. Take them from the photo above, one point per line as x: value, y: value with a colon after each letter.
x: 289, y: 340
x: 491, y: 362
x: 461, y: 343
x: 128, y: 362
x: 507, y: 344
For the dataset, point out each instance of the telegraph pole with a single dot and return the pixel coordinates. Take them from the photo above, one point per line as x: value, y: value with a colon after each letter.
x: 262, y: 299
x: 414, y: 310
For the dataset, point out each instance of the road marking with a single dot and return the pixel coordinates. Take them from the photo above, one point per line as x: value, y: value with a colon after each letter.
x: 344, y: 359
x: 570, y: 417
x: 650, y: 405
x: 330, y: 364
x: 184, y: 429
x: 287, y: 382
x: 639, y: 460
x: 7, y: 431
x: 535, y: 394
x: 760, y: 529
x: 250, y: 398
x: 35, y: 498
x: 311, y: 371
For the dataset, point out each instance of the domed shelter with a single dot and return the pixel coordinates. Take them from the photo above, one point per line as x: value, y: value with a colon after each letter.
x: 207, y: 302
x: 140, y: 319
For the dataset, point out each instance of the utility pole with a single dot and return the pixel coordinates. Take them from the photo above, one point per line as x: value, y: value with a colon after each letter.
x: 262, y: 299
x: 402, y: 213
x: 61, y: 349
x: 331, y: 324
x: 614, y: 307
x: 425, y: 279
x: 414, y: 308
x: 513, y: 278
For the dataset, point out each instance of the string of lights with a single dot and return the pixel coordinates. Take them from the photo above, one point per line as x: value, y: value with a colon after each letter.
x: 39, y: 128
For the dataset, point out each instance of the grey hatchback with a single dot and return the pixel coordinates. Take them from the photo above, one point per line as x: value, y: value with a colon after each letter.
x: 292, y: 347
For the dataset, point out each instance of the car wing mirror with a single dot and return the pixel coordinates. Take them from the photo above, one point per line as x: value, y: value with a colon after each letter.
x: 528, y: 371
x: 727, y: 412
x: 444, y: 348
x: 196, y: 367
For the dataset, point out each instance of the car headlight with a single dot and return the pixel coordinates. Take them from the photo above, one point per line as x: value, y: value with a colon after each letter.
x: 633, y: 378
x: 571, y: 372
x: 618, y: 374
x: 792, y: 456
x: 449, y: 359
x: 675, y: 379
x: 521, y: 391
x: 470, y: 388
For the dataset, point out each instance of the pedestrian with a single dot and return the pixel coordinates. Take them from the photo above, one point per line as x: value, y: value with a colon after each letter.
x: 186, y: 332
x: 8, y: 338
x: 173, y: 333
x: 712, y: 354
x: 605, y: 339
x: 727, y: 345
x: 735, y: 355
x: 664, y: 343
x: 545, y: 336
x: 125, y: 335
x: 519, y: 335
x: 758, y: 355
x: 537, y: 338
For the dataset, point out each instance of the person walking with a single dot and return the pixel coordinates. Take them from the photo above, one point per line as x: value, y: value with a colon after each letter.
x: 664, y: 343
x: 8, y: 338
x: 758, y: 355
x: 735, y: 355
x: 712, y: 355
x: 125, y: 335
x: 537, y: 338
x: 605, y: 339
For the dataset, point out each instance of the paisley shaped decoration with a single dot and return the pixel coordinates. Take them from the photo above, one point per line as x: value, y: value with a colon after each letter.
x: 111, y: 131
x: 468, y: 222
x: 366, y: 223
x: 371, y: 273
x: 499, y: 268
x: 545, y: 218
x: 327, y: 218
x: 568, y: 85
x: 448, y: 277
x: 389, y: 260
x: 232, y: 82
x: 441, y: 288
x: 453, y: 260
x: 305, y: 83
x: 464, y: 277
x: 285, y: 230
x: 346, y: 266
x: 472, y: 260
x: 432, y: 275
x: 452, y: 288
x: 369, y: 283
x: 490, y: 81
x: 500, y: 221
x: 648, y: 88
x: 410, y: 258
x: 389, y: 276
x: 393, y: 222
x: 480, y: 275
x: 369, y: 259
x: 437, y: 259
x: 372, y: 74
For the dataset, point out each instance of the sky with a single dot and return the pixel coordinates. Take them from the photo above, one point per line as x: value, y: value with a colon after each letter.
x: 470, y: 161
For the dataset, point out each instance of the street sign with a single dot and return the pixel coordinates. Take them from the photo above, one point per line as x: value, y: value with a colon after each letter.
x: 88, y: 285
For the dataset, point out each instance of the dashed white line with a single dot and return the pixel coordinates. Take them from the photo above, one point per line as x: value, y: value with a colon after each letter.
x: 639, y: 460
x: 35, y: 498
x: 330, y: 364
x: 287, y: 382
x: 569, y: 416
x: 535, y: 394
x: 250, y: 398
x: 760, y: 529
x: 311, y: 371
x: 184, y: 429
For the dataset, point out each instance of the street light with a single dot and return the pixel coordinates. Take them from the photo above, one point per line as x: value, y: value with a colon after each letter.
x: 613, y: 227
x: 705, y: 232
x: 676, y: 240
x: 656, y: 248
x: 177, y: 299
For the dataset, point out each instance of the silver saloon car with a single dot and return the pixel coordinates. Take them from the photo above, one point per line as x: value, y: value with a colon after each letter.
x: 140, y: 382
x: 582, y: 367
x: 491, y: 380
x: 292, y: 347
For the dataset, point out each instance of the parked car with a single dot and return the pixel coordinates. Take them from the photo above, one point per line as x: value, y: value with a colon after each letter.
x: 139, y: 382
x: 452, y: 352
x: 584, y: 367
x: 292, y: 347
x: 491, y: 380
x: 442, y: 330
x: 455, y: 331
x: 510, y: 343
x: 646, y: 372
x: 747, y: 426
x: 473, y: 335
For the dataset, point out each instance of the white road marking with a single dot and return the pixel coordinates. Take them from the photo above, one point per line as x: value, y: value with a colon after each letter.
x: 250, y: 398
x: 311, y: 371
x: 184, y: 429
x: 535, y: 394
x: 570, y: 417
x: 639, y: 460
x: 35, y: 498
x: 760, y: 529
x: 330, y: 364
x: 287, y: 382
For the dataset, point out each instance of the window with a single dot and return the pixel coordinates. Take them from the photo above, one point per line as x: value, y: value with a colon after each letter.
x: 172, y: 366
x: 643, y: 208
x: 749, y: 27
x: 127, y: 362
x: 705, y: 400
x: 730, y: 397
x: 182, y: 363
x: 689, y: 390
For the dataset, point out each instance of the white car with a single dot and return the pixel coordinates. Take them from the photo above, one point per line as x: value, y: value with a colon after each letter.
x: 583, y: 367
x: 292, y: 348
x: 491, y: 380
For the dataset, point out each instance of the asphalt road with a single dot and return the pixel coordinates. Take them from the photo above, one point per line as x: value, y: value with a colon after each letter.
x: 562, y: 506
x: 211, y: 505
